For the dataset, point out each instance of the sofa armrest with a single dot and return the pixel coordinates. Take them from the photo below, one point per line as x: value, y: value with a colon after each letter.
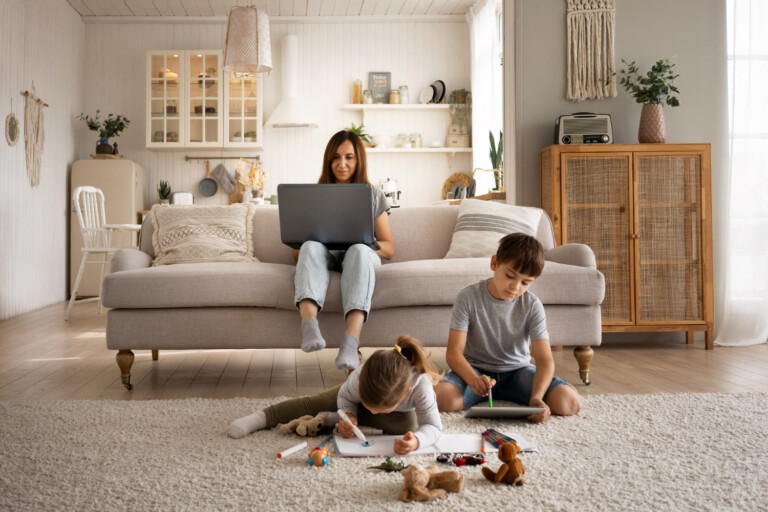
x: 129, y: 259
x: 572, y: 254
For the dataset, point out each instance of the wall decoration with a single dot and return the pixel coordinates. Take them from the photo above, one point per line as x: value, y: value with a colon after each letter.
x: 34, y: 134
x: 11, y: 129
x: 590, y: 49
x: 380, y: 85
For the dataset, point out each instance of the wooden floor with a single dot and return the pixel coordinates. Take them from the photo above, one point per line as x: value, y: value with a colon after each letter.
x: 42, y: 357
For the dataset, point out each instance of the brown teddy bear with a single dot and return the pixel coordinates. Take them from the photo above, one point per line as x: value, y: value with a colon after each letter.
x: 511, y: 472
x: 424, y: 484
x: 307, y: 426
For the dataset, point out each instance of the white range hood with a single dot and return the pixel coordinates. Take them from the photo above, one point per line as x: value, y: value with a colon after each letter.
x: 291, y: 112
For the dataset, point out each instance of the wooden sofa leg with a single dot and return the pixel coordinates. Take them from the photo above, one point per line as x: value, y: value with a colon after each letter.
x: 583, y: 356
x: 155, y: 355
x: 125, y: 361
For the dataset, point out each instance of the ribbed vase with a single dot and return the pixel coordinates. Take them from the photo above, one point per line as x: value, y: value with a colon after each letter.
x: 653, y: 129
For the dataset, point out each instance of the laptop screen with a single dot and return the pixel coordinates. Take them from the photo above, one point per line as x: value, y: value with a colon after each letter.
x: 336, y: 215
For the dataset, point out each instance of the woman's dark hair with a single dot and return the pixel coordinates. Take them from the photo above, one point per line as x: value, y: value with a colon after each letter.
x: 361, y: 172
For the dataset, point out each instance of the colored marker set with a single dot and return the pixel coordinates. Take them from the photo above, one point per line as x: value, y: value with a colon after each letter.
x: 496, y: 438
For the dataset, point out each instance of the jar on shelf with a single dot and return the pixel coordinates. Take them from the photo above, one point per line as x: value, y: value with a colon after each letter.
x: 394, y: 97
x: 404, y: 141
x: 404, y: 94
x: 416, y: 140
x: 357, y: 92
x: 367, y: 97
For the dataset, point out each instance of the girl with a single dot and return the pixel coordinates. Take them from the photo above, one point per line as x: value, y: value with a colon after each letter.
x: 392, y: 391
x: 344, y: 162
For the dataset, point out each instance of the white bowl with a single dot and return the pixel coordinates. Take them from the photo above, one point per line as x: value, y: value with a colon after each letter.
x: 436, y: 144
x: 237, y: 139
x: 381, y: 141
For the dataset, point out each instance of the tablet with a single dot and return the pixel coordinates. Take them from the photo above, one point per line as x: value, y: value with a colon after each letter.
x: 502, y: 412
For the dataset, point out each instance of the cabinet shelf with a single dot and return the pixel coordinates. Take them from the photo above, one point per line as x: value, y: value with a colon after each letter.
x: 418, y: 150
x: 387, y: 106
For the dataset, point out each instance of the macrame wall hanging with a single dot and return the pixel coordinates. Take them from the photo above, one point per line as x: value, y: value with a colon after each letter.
x: 34, y: 134
x: 590, y: 49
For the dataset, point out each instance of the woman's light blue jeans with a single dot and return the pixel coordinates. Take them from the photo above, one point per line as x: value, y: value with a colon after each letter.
x: 356, y: 265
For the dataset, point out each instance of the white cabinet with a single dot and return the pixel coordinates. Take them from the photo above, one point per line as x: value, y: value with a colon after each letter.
x: 244, y: 117
x: 192, y: 103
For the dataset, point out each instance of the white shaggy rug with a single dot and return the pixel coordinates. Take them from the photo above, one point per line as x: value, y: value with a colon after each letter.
x: 623, y: 452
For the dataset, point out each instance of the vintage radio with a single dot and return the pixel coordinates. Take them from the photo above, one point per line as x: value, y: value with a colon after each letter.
x: 584, y: 128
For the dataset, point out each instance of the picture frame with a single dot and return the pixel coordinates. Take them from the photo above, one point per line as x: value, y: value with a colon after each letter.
x: 380, y: 84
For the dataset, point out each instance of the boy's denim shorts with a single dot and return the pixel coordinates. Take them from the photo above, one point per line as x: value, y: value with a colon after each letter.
x: 514, y: 386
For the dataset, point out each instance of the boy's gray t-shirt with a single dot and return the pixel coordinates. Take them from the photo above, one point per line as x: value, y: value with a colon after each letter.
x: 499, y: 332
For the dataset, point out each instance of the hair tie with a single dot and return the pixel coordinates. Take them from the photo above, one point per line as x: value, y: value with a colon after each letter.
x: 399, y: 350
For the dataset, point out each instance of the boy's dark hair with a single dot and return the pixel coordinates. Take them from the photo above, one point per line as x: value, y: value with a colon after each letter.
x: 523, y: 252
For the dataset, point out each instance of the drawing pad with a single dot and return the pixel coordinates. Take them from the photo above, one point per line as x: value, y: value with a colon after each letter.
x: 502, y: 412
x: 336, y: 215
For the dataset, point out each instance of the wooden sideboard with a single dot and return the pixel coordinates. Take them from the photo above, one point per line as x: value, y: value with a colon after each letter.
x: 646, y: 212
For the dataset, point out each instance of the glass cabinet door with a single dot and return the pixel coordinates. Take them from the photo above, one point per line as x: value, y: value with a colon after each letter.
x: 164, y: 97
x: 243, y: 127
x: 204, y: 99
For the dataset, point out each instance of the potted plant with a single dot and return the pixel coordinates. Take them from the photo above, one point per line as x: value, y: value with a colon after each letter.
x: 497, y: 160
x: 361, y: 132
x: 651, y: 90
x: 164, y: 192
x: 109, y: 127
x: 458, y: 96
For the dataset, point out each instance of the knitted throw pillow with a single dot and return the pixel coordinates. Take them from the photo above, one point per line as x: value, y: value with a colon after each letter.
x: 195, y: 234
x: 481, y: 224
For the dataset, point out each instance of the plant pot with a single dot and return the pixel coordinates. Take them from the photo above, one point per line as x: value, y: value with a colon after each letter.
x: 653, y: 129
x: 103, y: 147
x: 498, y: 177
x: 165, y: 201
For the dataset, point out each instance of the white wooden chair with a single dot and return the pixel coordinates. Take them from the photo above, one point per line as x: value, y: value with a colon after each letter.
x: 97, y: 236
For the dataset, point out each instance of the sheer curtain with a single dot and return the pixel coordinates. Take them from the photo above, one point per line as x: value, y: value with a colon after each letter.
x: 745, y: 308
x: 485, y: 77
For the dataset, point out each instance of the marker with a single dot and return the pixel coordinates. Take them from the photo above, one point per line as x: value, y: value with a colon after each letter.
x: 359, y: 434
x: 490, y: 394
x: 292, y: 449
x: 482, y: 444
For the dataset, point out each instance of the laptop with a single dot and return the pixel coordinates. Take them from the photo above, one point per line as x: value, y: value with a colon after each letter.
x: 501, y: 412
x: 337, y: 215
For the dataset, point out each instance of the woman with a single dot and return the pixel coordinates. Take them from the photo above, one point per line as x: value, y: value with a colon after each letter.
x: 344, y: 162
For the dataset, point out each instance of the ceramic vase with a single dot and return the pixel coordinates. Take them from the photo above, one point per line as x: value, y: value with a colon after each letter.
x: 653, y: 129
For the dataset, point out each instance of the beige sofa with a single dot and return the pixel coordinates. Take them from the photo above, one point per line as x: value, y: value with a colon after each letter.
x: 250, y: 305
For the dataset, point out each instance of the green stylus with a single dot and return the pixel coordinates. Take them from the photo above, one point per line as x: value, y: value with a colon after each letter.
x: 490, y: 394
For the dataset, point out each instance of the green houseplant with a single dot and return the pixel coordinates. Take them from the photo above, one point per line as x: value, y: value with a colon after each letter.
x: 497, y: 159
x: 164, y: 191
x: 652, y: 90
x: 361, y: 132
x: 108, y: 128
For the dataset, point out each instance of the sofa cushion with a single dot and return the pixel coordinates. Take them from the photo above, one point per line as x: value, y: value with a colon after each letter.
x: 194, y: 234
x: 405, y: 284
x: 201, y: 285
x: 481, y: 224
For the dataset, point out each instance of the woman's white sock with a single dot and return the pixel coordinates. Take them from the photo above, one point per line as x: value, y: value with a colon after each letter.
x: 241, y: 427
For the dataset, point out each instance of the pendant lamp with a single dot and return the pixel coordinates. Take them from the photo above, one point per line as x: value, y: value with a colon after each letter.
x: 247, y: 51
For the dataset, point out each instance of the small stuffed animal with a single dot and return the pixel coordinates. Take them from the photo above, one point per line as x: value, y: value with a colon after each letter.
x: 511, y: 472
x: 450, y: 481
x: 307, y: 426
x: 319, y: 456
x: 415, y: 480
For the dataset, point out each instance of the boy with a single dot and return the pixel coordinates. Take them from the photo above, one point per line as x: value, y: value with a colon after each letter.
x: 494, y: 322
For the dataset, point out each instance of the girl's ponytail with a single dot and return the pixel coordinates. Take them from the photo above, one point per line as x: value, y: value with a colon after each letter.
x: 412, y: 350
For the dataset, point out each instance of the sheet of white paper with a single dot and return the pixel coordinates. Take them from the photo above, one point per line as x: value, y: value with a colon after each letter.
x: 448, y: 443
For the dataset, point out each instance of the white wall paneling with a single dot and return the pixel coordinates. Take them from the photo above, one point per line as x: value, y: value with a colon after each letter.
x: 44, y: 42
x: 331, y: 56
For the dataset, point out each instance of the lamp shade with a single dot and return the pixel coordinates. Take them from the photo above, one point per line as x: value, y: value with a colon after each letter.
x: 247, y: 50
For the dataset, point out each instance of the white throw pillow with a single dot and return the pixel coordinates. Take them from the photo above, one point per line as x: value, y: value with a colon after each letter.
x: 195, y: 234
x: 481, y: 224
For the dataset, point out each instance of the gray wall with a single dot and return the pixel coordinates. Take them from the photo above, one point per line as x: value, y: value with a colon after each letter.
x: 692, y: 32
